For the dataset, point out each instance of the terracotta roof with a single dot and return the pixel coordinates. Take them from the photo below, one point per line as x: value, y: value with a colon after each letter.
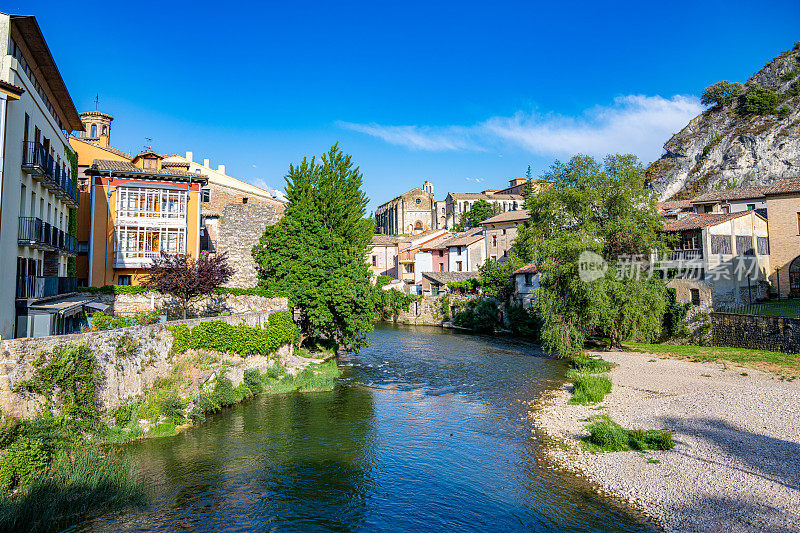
x: 126, y: 167
x: 106, y: 148
x: 464, y: 238
x: 448, y: 277
x: 10, y: 87
x: 669, y: 205
x: 175, y: 164
x: 530, y: 268
x: 509, y: 216
x: 483, y: 196
x: 95, y: 114
x: 438, y: 243
x: 384, y: 240
x: 702, y: 220
x: 742, y: 193
x: 785, y: 185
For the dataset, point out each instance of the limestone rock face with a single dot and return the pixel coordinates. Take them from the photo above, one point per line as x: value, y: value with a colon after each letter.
x: 725, y: 148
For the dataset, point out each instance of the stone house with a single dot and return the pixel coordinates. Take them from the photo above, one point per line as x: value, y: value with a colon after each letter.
x: 240, y: 228
x: 731, y: 200
x: 509, y: 199
x: 501, y: 232
x: 382, y: 257
x: 729, y: 252
x: 526, y: 285
x: 466, y: 251
x: 435, y: 283
x: 675, y: 209
x: 783, y: 209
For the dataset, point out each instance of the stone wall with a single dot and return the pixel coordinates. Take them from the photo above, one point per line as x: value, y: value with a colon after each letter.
x: 774, y: 333
x: 131, y: 358
x: 427, y: 310
x: 240, y: 228
x: 128, y: 304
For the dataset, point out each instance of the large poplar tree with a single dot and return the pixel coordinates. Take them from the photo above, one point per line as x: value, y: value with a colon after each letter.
x: 316, y: 253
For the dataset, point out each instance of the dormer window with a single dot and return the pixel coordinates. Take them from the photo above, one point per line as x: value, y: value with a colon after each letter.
x: 150, y: 163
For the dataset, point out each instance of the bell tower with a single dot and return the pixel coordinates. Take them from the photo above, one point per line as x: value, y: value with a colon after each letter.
x: 97, y: 126
x: 427, y: 186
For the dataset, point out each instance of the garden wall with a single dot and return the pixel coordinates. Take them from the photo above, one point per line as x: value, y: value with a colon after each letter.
x: 211, y: 305
x: 131, y: 358
x: 757, y: 332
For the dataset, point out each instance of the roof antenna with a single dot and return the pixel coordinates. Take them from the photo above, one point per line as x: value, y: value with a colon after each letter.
x: 96, y: 101
x: 149, y: 145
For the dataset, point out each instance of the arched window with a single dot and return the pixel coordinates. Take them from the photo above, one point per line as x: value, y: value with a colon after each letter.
x: 105, y: 130
x: 794, y: 276
x: 94, y: 130
x: 418, y: 226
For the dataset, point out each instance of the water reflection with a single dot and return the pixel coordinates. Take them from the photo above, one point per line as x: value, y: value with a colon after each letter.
x: 427, y: 432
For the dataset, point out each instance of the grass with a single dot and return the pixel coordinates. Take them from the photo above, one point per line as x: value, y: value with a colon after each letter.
x: 775, y: 362
x: 72, y: 486
x: 588, y: 388
x: 608, y: 436
x: 788, y: 308
x: 164, y: 429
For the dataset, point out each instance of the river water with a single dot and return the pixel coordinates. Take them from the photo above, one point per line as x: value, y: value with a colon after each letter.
x: 426, y: 432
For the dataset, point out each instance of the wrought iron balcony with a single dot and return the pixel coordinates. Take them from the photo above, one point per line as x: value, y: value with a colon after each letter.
x: 43, y: 168
x: 44, y: 286
x: 33, y: 232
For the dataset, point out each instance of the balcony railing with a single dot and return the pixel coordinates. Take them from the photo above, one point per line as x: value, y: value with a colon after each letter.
x: 34, y: 232
x: 682, y: 255
x: 43, y: 168
x: 134, y: 259
x: 44, y: 286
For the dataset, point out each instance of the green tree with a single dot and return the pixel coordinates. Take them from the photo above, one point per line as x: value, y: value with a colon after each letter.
x: 721, y: 93
x: 761, y: 101
x: 496, y: 278
x: 601, y: 208
x: 315, y: 254
x: 478, y: 212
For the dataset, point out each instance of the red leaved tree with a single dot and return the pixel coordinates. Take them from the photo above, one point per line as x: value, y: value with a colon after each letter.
x: 186, y: 278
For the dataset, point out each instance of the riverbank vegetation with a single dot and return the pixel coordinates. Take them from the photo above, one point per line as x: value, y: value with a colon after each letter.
x: 608, y: 436
x: 590, y: 381
x: 315, y: 253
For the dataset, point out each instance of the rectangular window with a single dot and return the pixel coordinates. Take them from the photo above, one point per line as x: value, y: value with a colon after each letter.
x: 141, y: 202
x: 459, y: 268
x: 441, y: 253
x: 528, y: 279
x: 721, y: 244
x: 744, y: 245
x: 205, y: 195
x: 244, y: 200
x: 374, y: 261
x: 762, y: 243
x: 798, y: 223
x: 751, y: 207
x: 494, y: 240
x: 695, y: 296
x: 124, y: 279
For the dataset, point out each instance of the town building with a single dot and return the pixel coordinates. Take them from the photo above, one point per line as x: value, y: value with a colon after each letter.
x: 466, y: 250
x: 509, y: 199
x: 382, y: 257
x: 38, y: 192
x: 731, y: 200
x: 675, y: 209
x: 412, y: 212
x: 139, y: 209
x: 221, y: 191
x: 501, y: 232
x: 415, y: 257
x: 526, y: 285
x: 435, y: 283
x: 783, y: 209
x: 729, y: 253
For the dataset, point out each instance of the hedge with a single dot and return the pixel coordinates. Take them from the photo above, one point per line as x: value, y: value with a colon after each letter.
x: 237, y: 338
x: 115, y: 289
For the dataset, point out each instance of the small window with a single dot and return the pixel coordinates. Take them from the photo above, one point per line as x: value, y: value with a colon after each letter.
x: 105, y: 130
x: 504, y: 232
x: 205, y: 195
x: 441, y: 267
x: 695, y: 296
x: 374, y: 261
x: 494, y: 240
x: 762, y: 243
x: 744, y: 245
x: 458, y: 266
x: 94, y: 130
x: 441, y: 253
x: 529, y: 279
x: 751, y: 207
x: 124, y: 279
x: 244, y: 200
x: 798, y: 223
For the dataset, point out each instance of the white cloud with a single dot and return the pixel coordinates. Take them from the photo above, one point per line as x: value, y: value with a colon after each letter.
x: 259, y: 182
x: 476, y: 180
x: 419, y: 137
x: 635, y: 124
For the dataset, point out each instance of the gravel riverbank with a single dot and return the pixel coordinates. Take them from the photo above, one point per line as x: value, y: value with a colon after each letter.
x: 736, y: 463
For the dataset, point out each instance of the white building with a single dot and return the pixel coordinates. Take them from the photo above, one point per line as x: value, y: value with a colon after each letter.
x: 38, y: 186
x: 526, y: 285
x: 731, y: 200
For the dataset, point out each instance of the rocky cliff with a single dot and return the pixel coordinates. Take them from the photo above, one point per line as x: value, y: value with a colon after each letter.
x: 739, y: 143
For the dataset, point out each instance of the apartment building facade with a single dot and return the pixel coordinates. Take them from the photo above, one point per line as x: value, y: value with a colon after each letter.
x: 37, y: 183
x: 501, y: 232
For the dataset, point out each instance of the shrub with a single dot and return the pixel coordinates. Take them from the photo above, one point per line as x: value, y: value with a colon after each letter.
x: 481, y: 315
x: 589, y: 388
x: 590, y: 365
x: 792, y: 74
x: 784, y: 112
x: 224, y: 393
x: 172, y: 408
x: 524, y: 322
x: 674, y: 323
x: 721, y: 93
x: 24, y: 459
x: 380, y: 281
x: 388, y: 304
x: 253, y: 380
x: 612, y: 437
x: 760, y: 101
x: 240, y: 339
x: 73, y: 372
x: 115, y: 289
x: 794, y: 88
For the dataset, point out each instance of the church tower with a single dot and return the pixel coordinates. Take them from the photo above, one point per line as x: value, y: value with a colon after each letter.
x: 97, y: 127
x: 427, y: 187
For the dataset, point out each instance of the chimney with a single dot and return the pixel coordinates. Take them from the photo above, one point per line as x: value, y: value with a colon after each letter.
x: 221, y: 169
x: 189, y: 155
x: 206, y: 163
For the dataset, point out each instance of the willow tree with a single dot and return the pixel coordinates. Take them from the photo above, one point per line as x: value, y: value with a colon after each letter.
x: 602, y: 208
x: 316, y: 253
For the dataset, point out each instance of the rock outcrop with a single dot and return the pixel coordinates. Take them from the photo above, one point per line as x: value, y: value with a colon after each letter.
x: 727, y: 147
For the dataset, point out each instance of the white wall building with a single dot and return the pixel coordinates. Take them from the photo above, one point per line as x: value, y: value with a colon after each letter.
x: 36, y: 115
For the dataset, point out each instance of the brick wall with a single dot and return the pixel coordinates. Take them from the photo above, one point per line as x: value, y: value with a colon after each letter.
x: 784, y: 237
x: 240, y: 228
x: 124, y: 375
x: 774, y: 333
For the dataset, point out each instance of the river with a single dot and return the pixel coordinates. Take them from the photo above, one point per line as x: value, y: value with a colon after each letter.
x: 426, y: 432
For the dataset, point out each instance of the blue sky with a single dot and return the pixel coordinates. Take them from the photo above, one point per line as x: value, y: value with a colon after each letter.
x: 466, y: 94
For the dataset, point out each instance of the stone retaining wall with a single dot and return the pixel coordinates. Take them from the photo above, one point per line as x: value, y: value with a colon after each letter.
x: 127, y: 304
x: 427, y: 310
x: 131, y: 358
x: 774, y: 333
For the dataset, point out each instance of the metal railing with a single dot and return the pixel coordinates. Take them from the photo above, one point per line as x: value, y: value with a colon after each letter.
x: 682, y: 255
x: 43, y: 167
x: 786, y: 308
x: 33, y: 231
x: 44, y: 286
